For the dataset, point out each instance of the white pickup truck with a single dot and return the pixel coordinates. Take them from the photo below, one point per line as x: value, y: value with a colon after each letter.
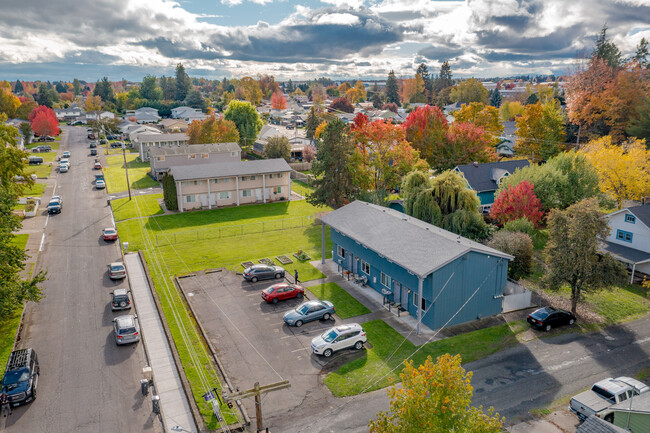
x: 604, y: 394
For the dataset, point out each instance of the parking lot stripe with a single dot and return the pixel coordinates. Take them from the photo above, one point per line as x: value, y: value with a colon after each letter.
x: 301, y: 349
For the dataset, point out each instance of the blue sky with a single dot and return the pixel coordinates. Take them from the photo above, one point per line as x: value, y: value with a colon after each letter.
x: 307, y: 39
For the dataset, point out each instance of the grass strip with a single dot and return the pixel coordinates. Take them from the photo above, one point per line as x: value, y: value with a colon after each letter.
x: 123, y: 208
x: 345, y: 304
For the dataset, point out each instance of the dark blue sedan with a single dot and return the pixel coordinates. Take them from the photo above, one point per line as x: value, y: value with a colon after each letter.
x: 549, y: 317
x: 308, y: 311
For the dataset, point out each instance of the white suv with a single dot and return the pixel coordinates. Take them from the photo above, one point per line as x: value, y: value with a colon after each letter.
x: 338, y: 338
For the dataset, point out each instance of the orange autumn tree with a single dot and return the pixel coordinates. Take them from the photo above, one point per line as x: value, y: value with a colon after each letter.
x: 213, y: 130
x: 44, y: 121
x: 382, y: 156
x: 278, y: 101
x: 435, y: 397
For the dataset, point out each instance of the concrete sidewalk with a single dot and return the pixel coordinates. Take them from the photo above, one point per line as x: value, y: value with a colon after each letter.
x: 173, y: 401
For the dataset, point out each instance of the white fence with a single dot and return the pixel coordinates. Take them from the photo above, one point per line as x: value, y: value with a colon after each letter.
x: 516, y: 297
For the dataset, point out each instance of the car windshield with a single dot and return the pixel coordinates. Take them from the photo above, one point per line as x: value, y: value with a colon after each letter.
x: 330, y: 336
x: 120, y: 298
x: 542, y: 314
x: 109, y: 231
x: 117, y: 268
x: 270, y: 290
x: 302, y: 310
x: 603, y: 392
x: 125, y: 331
x: 16, y: 376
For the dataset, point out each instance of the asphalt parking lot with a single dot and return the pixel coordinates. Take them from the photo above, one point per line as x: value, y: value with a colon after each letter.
x: 254, y: 344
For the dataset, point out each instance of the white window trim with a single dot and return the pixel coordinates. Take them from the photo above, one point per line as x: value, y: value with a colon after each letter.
x: 387, y: 277
x: 340, y: 251
x: 365, y: 264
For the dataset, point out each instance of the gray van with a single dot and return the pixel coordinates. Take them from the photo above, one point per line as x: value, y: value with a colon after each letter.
x: 35, y: 160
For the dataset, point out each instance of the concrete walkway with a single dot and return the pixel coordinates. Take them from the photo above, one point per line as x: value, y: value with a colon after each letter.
x: 173, y: 401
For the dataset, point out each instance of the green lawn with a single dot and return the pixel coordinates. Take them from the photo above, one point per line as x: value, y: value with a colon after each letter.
x: 20, y: 240
x: 42, y: 171
x: 619, y: 304
x: 185, y: 257
x: 8, y: 328
x: 116, y: 176
x: 345, y: 304
x: 36, y: 190
x: 53, y: 144
x: 123, y: 208
x: 301, y: 188
x: 373, y: 369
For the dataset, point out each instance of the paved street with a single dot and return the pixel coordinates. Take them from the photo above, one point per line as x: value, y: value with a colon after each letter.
x: 87, y: 384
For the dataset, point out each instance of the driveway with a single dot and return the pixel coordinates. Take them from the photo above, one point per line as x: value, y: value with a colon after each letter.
x: 255, y: 344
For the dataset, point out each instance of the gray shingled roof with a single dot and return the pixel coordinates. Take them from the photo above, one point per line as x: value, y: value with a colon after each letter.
x: 480, y: 177
x: 174, y: 136
x: 221, y: 169
x: 630, y: 254
x: 640, y: 403
x: 413, y: 244
x: 196, y: 148
x: 596, y: 425
x: 641, y: 212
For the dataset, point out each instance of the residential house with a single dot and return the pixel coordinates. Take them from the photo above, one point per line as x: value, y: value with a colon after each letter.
x: 70, y: 114
x: 133, y: 129
x: 634, y: 414
x: 220, y: 184
x: 506, y: 147
x: 127, y: 126
x: 629, y: 239
x: 593, y: 424
x: 188, y: 114
x: 20, y: 139
x: 163, y: 158
x: 297, y: 139
x: 144, y: 115
x: 173, y: 125
x: 435, y: 275
x: 144, y: 142
x: 484, y: 178
x: 99, y: 115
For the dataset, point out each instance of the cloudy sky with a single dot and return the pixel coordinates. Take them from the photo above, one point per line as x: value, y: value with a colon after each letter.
x: 63, y: 39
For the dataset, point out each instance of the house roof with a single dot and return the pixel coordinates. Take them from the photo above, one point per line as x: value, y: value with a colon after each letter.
x: 642, y: 212
x: 196, y: 148
x: 168, y: 122
x: 640, y: 403
x: 221, y: 169
x: 628, y: 254
x: 483, y: 177
x: 413, y: 244
x: 594, y: 424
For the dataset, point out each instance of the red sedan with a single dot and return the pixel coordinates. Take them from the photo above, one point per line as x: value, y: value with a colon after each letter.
x: 97, y: 166
x: 110, y: 234
x: 281, y: 291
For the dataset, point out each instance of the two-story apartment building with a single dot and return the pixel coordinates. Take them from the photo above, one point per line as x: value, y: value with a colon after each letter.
x: 163, y: 158
x: 208, y: 186
x: 629, y: 239
x: 188, y: 114
x: 144, y: 115
x: 144, y: 142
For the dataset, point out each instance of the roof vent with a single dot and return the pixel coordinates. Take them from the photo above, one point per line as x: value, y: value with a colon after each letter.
x: 475, y: 163
x: 458, y: 239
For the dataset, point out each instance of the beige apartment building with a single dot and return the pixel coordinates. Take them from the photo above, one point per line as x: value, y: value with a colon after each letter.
x: 163, y: 158
x: 209, y: 186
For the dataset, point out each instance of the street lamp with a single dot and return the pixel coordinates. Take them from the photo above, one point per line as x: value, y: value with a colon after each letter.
x: 126, y: 169
x: 629, y: 411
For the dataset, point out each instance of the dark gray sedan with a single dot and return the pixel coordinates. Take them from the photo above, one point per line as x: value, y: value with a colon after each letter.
x: 308, y: 311
x: 263, y: 272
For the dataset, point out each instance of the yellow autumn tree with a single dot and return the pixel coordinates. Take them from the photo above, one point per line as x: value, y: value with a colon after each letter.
x: 485, y: 116
x: 435, y: 397
x: 93, y: 103
x: 623, y: 170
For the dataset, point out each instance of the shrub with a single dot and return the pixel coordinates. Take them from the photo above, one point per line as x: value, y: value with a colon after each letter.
x: 522, y: 225
x: 169, y: 192
x: 519, y: 245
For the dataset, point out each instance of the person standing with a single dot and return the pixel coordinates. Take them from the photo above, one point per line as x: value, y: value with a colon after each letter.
x: 295, y: 276
x: 4, y: 404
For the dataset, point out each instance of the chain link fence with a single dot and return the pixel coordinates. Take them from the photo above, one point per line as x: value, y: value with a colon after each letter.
x: 235, y: 230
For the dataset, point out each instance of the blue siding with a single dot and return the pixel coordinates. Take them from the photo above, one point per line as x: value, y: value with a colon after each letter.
x: 467, y: 273
x: 486, y: 197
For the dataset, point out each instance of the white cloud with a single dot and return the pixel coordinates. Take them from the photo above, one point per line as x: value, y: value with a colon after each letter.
x: 355, y: 4
x: 338, y: 18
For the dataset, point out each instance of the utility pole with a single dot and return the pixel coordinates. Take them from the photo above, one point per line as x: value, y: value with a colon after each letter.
x: 257, y: 392
x: 126, y: 169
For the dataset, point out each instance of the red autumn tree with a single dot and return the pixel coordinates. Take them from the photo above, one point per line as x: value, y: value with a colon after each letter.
x: 278, y: 101
x: 516, y: 202
x: 342, y: 104
x: 390, y: 106
x: 465, y: 143
x: 425, y: 129
x: 44, y: 121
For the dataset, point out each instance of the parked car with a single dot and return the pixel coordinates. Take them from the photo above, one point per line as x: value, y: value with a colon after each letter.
x: 21, y: 376
x: 93, y: 152
x: 339, y: 338
x: 126, y: 329
x: 76, y: 123
x: 100, y: 184
x: 116, y: 271
x: 117, y: 144
x: 308, y: 311
x: 93, y: 144
x: 605, y: 394
x: 290, y: 126
x: 110, y: 234
x: 63, y: 168
x: 549, y: 317
x: 35, y: 160
x: 281, y: 291
x: 42, y: 148
x: 263, y: 272
x: 66, y: 154
x: 103, y: 141
x: 97, y: 166
x: 120, y: 300
x: 55, y: 205
x: 64, y: 161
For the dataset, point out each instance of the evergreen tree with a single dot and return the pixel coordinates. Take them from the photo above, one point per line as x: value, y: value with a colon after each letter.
x: 377, y: 102
x: 495, y: 99
x: 641, y: 54
x: 168, y: 85
x: 532, y: 99
x: 169, y: 192
x: 76, y: 87
x: 44, y: 96
x: 60, y: 87
x: 606, y: 50
x: 640, y: 127
x: 444, y: 80
x: 183, y: 83
x: 149, y: 90
x: 104, y: 90
x: 26, y: 130
x: 289, y: 87
x: 312, y: 123
x: 392, y: 90
x: 195, y: 100
x: 333, y: 172
x: 18, y: 88
x: 423, y: 70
